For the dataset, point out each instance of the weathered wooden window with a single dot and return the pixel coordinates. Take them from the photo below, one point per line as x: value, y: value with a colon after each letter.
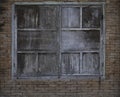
x: 58, y: 40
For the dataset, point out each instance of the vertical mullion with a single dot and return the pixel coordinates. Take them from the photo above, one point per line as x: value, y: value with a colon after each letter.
x: 81, y: 53
x: 68, y: 15
x: 80, y: 16
x: 37, y: 64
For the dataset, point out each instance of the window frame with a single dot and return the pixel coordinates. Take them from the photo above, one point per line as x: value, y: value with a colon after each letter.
x: 102, y: 39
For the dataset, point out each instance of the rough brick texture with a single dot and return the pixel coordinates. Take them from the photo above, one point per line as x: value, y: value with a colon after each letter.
x: 108, y: 87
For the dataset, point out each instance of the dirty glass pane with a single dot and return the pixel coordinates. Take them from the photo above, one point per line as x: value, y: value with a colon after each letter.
x: 91, y: 17
x: 47, y: 17
x: 80, y: 40
x: 36, y: 40
x: 27, y: 16
x: 27, y: 64
x: 90, y: 63
x: 70, y: 17
x: 47, y: 64
x: 70, y: 63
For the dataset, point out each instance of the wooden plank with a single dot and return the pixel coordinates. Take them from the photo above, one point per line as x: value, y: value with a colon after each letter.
x: 91, y: 63
x: 14, y: 65
x: 80, y: 40
x: 37, y: 52
x: 91, y: 17
x: 74, y: 29
x: 104, y: 35
x: 47, y: 64
x: 59, y: 59
x: 35, y: 29
x: 47, y: 17
x: 15, y: 45
x: 70, y: 17
x: 70, y: 63
x: 102, y: 44
x: 27, y: 16
x: 81, y: 62
x: 81, y: 17
x: 60, y: 3
x: 79, y: 51
x: 27, y: 64
x: 29, y: 40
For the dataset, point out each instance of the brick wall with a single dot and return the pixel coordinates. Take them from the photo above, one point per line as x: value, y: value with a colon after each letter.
x: 108, y: 87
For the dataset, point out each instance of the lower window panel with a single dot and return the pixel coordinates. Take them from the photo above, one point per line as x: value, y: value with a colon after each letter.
x: 45, y: 64
x: 34, y: 65
x: 74, y: 64
x: 90, y: 64
x: 70, y: 63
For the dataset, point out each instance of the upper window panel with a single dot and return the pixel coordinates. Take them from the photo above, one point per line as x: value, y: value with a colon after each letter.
x: 70, y: 17
x: 27, y: 16
x: 47, y: 17
x: 36, y: 17
x: 91, y: 17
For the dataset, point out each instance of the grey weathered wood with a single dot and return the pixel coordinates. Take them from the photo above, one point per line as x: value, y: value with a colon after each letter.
x: 81, y: 29
x: 27, y: 51
x: 47, y: 64
x: 86, y: 37
x: 28, y: 40
x: 81, y: 61
x: 103, y: 51
x: 47, y: 17
x: 27, y: 16
x: 80, y: 40
x: 81, y: 17
x: 15, y: 43
x: 35, y: 29
x: 70, y: 17
x: 59, y: 57
x: 14, y: 65
x: 90, y: 63
x: 70, y: 63
x: 91, y: 16
x: 102, y: 43
x: 79, y: 51
x: 61, y: 3
x: 27, y: 64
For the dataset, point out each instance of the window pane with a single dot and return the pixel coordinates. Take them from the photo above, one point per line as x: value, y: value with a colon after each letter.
x: 91, y: 17
x: 70, y: 63
x: 48, y: 17
x: 27, y: 64
x: 80, y: 40
x: 90, y: 63
x: 30, y: 40
x: 70, y: 17
x: 47, y: 64
x: 27, y: 16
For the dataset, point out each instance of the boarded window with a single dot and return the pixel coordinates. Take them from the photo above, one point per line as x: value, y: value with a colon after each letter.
x: 58, y: 40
